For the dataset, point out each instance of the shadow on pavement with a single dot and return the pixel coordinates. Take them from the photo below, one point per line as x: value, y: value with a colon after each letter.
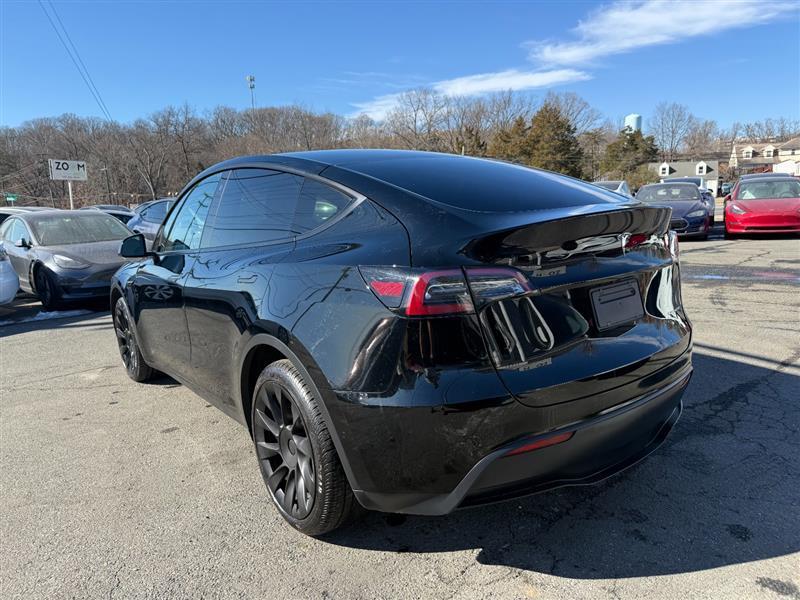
x: 722, y: 490
x: 26, y: 314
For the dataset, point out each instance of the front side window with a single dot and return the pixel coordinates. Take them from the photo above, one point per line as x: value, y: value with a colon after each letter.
x: 257, y: 206
x: 184, y: 229
x: 13, y: 231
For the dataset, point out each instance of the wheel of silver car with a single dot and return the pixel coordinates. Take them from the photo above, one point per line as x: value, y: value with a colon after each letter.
x: 46, y: 288
x: 136, y: 367
x: 298, y: 461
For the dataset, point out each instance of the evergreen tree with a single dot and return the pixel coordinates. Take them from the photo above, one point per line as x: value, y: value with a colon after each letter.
x: 552, y: 142
x: 511, y: 144
x: 630, y: 150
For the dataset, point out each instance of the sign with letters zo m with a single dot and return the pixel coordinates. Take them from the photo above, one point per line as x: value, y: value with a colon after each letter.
x: 69, y: 170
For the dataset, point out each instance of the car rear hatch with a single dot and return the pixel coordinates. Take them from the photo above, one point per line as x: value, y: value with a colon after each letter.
x: 590, y: 303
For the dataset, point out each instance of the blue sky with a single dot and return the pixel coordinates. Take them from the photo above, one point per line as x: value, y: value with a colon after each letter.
x: 727, y: 60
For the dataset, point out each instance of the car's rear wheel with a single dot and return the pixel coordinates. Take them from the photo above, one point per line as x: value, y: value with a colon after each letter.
x: 46, y: 289
x: 296, y: 455
x: 135, y: 365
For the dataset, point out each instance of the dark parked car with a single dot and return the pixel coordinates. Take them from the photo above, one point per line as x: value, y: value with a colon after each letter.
x: 63, y: 255
x: 413, y: 332
x: 692, y: 213
x: 122, y: 213
x: 148, y: 217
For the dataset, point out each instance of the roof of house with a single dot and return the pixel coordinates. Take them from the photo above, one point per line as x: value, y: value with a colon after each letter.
x: 792, y: 144
x: 688, y: 168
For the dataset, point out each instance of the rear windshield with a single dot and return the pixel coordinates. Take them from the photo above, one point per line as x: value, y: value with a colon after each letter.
x: 779, y: 188
x: 77, y: 228
x: 609, y: 185
x: 668, y: 193
x: 693, y: 180
x: 483, y: 185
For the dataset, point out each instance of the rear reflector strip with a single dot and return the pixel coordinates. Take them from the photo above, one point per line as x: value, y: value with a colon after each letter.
x: 542, y: 443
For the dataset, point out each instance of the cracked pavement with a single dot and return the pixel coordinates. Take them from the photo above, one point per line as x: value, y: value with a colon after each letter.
x: 111, y: 489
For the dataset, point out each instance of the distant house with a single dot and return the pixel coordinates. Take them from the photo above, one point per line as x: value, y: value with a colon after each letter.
x: 766, y: 156
x: 708, y: 170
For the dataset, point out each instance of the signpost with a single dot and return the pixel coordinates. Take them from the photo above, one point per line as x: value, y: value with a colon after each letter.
x: 11, y: 198
x: 69, y: 171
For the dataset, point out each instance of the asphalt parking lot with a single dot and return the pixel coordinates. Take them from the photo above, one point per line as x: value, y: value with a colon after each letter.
x: 111, y: 489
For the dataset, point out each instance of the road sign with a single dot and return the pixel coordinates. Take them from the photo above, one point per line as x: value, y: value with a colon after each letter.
x: 11, y: 197
x: 69, y: 170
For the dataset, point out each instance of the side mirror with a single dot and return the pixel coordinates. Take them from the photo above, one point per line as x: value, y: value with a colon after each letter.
x: 134, y: 246
x: 22, y: 243
x: 727, y: 198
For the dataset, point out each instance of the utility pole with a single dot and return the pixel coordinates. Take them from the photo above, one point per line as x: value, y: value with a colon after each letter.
x: 108, y: 185
x: 251, y: 83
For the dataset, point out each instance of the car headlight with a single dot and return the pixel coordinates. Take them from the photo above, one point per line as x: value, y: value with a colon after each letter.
x: 68, y: 263
x: 737, y: 210
x: 697, y: 213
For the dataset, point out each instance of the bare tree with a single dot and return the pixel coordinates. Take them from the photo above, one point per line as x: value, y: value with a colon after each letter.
x: 669, y: 125
x: 701, y: 138
x: 580, y: 113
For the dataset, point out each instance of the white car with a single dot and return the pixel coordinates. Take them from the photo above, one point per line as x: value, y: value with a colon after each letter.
x: 9, y: 282
x: 621, y: 187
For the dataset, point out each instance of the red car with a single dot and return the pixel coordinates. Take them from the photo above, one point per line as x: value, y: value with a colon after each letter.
x: 763, y: 205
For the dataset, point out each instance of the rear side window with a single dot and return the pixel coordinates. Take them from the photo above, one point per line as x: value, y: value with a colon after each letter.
x: 184, y: 230
x: 318, y: 203
x: 257, y: 205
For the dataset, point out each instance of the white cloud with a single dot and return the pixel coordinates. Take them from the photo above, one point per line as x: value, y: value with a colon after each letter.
x: 475, y: 85
x: 376, y: 109
x: 619, y: 27
x: 512, y: 79
x: 624, y: 26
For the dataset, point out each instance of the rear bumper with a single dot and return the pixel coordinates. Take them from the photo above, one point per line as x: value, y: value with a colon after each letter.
x: 601, y: 445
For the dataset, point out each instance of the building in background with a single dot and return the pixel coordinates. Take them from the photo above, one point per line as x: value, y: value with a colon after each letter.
x: 707, y: 170
x: 633, y: 122
x: 783, y: 157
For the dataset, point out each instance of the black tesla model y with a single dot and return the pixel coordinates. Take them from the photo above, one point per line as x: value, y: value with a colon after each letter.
x: 412, y: 332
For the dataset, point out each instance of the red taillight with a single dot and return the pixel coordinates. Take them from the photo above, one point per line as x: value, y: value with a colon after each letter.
x: 388, y: 289
x: 420, y: 293
x: 417, y: 293
x: 552, y: 440
x: 635, y: 240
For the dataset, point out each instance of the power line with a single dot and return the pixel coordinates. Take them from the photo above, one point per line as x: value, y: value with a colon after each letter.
x: 80, y: 60
x: 76, y: 59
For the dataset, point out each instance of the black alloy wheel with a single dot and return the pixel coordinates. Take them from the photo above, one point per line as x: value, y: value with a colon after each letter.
x: 136, y: 367
x: 46, y: 289
x: 284, y: 450
x: 296, y: 454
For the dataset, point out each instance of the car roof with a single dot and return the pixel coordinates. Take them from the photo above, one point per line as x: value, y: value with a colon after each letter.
x: 671, y: 183
x: 765, y: 175
x: 38, y: 214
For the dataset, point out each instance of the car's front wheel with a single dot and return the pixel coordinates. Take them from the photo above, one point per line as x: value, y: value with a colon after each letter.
x: 46, y: 289
x: 298, y: 460
x: 136, y: 367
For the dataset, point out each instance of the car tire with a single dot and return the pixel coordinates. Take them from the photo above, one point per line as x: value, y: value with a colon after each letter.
x: 135, y: 365
x: 296, y: 456
x: 46, y: 288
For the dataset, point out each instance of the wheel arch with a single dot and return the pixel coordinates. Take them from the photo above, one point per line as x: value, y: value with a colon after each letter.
x: 263, y: 349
